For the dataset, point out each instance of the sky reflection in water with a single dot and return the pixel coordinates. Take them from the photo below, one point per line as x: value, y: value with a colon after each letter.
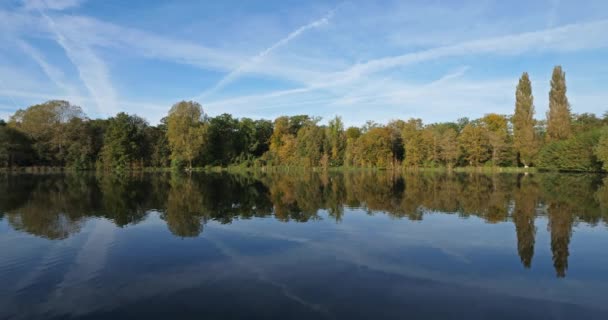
x: 336, y: 245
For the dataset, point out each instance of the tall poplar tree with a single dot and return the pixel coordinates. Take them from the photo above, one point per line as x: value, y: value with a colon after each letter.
x: 558, y: 116
x: 524, y: 138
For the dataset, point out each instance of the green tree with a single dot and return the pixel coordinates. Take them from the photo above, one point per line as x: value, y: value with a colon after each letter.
x: 124, y: 142
x: 415, y: 144
x: 585, y: 122
x: 449, y: 147
x: 601, y: 149
x: 524, y: 137
x: 337, y: 141
x: 352, y: 134
x: 397, y: 146
x: 497, y: 131
x: 474, y: 143
x: 558, y: 116
x: 45, y: 124
x: 282, y: 141
x: 225, y: 139
x: 83, y: 144
x: 185, y: 131
x: 309, y: 145
x: 246, y: 139
x: 15, y: 147
x: 159, y: 153
x: 374, y: 148
x: 573, y: 154
x: 261, y: 142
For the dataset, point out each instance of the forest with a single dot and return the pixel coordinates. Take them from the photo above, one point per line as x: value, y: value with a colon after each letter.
x: 57, y: 134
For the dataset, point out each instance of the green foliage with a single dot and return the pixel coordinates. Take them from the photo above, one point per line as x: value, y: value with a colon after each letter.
x: 158, y: 143
x: 475, y: 144
x: 56, y: 133
x: 224, y: 140
x: 601, y: 149
x: 448, y: 149
x: 85, y: 140
x: 416, y: 144
x: 15, y: 148
x: 373, y: 148
x: 57, y: 206
x: 586, y: 121
x: 558, y: 116
x: 185, y: 131
x: 124, y: 143
x: 497, y: 134
x: 574, y: 154
x: 309, y: 145
x: 336, y: 141
x: 524, y: 135
x: 45, y: 125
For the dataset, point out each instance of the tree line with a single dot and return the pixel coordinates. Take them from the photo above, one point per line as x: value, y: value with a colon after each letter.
x: 58, y: 134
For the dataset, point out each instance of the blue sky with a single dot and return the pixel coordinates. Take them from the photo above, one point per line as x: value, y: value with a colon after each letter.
x: 363, y: 60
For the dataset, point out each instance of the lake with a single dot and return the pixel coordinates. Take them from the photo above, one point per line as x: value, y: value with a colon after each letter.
x: 351, y: 245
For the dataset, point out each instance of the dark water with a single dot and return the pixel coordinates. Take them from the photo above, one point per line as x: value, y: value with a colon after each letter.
x: 357, y: 245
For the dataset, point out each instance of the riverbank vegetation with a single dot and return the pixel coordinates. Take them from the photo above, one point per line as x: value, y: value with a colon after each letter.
x: 58, y: 134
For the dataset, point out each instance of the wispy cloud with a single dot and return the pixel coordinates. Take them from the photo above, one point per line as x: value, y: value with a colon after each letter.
x: 93, y: 71
x: 54, y: 74
x: 243, y: 68
x: 371, y: 61
x: 51, y: 4
x: 91, y: 32
x: 572, y: 37
x: 446, y: 98
x: 566, y: 38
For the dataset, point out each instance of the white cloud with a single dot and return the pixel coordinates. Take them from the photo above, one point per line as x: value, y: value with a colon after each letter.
x: 152, y: 111
x: 91, y: 32
x: 572, y: 37
x: 319, y: 71
x: 381, y: 99
x: 566, y: 38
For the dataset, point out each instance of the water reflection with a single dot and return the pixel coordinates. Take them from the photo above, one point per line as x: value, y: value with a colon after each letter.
x: 57, y: 206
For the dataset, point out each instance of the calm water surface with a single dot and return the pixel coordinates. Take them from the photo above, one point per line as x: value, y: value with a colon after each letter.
x: 357, y: 245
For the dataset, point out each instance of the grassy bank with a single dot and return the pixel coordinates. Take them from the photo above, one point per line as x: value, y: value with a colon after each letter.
x: 367, y: 169
x: 286, y: 169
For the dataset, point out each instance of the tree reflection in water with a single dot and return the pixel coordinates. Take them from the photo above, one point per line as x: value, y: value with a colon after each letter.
x: 56, y: 206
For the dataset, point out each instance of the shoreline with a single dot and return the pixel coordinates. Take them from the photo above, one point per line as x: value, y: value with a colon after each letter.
x: 294, y: 169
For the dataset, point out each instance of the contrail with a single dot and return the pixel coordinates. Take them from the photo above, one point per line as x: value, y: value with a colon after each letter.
x: 92, y: 69
x: 261, y: 276
x: 54, y: 74
x: 234, y: 74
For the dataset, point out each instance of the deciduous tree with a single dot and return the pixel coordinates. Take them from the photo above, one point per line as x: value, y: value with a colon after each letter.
x: 185, y: 131
x: 474, y: 143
